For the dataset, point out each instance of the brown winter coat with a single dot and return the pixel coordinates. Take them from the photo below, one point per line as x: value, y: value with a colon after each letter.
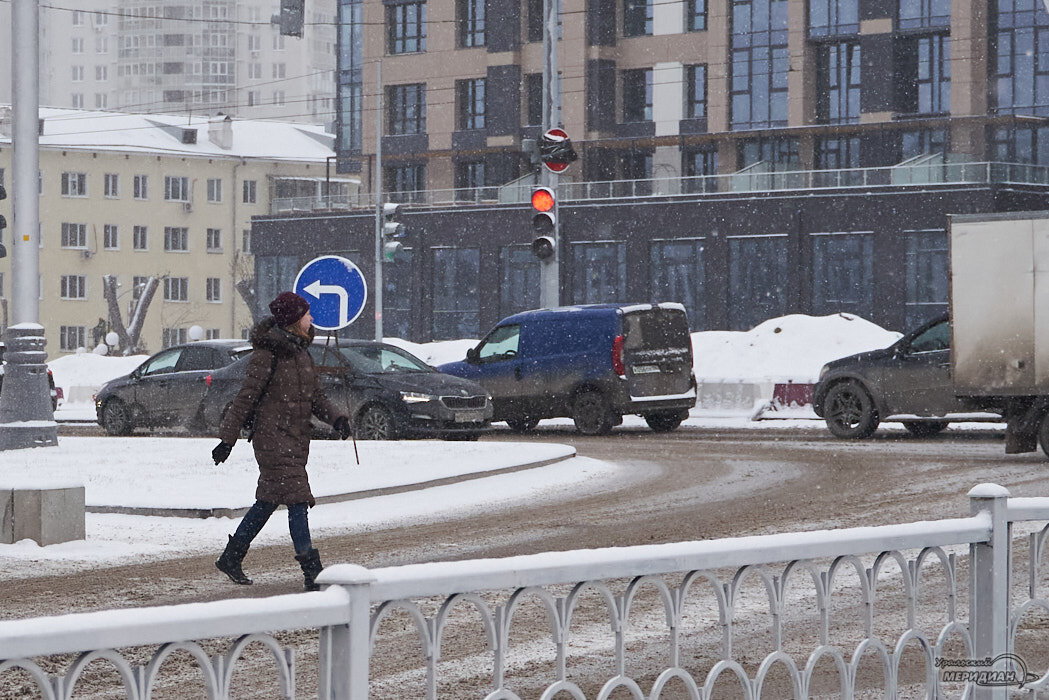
x: 282, y: 420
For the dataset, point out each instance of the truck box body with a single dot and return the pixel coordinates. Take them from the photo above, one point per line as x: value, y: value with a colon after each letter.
x: 1000, y: 304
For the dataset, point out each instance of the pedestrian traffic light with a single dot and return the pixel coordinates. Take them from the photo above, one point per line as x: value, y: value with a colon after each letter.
x: 392, y: 230
x: 544, y: 222
x: 292, y: 13
x: 3, y: 225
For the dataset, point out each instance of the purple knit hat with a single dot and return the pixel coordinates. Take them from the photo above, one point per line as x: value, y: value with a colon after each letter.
x: 288, y: 308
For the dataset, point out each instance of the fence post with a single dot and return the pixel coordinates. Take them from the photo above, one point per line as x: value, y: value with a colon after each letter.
x: 989, y: 589
x: 350, y: 645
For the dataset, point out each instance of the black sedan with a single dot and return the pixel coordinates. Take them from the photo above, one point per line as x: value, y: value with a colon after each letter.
x: 387, y: 392
x: 909, y: 381
x: 166, y: 390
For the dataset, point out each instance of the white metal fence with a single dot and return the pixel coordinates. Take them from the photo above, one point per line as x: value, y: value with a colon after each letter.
x: 885, y: 610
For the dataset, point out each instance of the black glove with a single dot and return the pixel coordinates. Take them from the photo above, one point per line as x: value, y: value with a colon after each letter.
x: 221, y: 452
x: 342, y: 427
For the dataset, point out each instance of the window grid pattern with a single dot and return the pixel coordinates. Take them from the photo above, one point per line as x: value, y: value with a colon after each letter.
x: 696, y: 15
x: 471, y: 23
x: 176, y: 189
x: 696, y: 92
x: 176, y: 239
x: 176, y: 289
x: 110, y: 237
x: 1020, y: 50
x: 111, y: 185
x: 838, y: 83
x: 638, y: 17
x: 406, y: 27
x: 834, y: 17
x: 73, y: 287
x: 407, y: 109
x: 74, y: 235
x: 637, y: 95
x: 471, y: 94
x: 140, y: 238
x: 214, y: 240
x: 141, y: 186
x: 759, y: 64
x: 213, y: 289
x: 74, y: 184
x: 72, y: 337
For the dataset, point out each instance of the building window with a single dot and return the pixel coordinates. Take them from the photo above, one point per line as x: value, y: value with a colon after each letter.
x: 834, y: 17
x: 842, y: 273
x: 173, y: 336
x: 599, y: 272
x: 927, y: 274
x: 78, y: 18
x: 138, y: 285
x: 922, y: 14
x: 470, y: 22
x: 534, y: 99
x: 676, y: 272
x: 78, y: 74
x: 250, y: 191
x: 696, y: 92
x: 74, y: 287
x: 456, y: 297
x: 757, y: 279
x: 78, y: 45
x: 921, y: 142
x: 779, y: 154
x: 111, y: 185
x: 696, y: 15
x: 279, y: 97
x: 838, y: 83
x: 212, y: 334
x: 470, y: 94
x: 759, y: 64
x: 397, y: 295
x: 74, y: 235
x: 176, y: 189
x: 924, y: 68
x: 101, y: 73
x: 141, y: 187
x: 280, y: 71
x: 840, y: 154
x: 701, y: 167
x: 406, y: 27
x: 245, y: 241
x: 521, y: 271
x: 1019, y: 52
x: 637, y: 17
x: 110, y: 237
x: 101, y: 100
x: 404, y: 183
x: 74, y: 184
x: 214, y: 240
x: 535, y: 19
x: 469, y: 179
x: 213, y: 289
x: 407, y: 109
x: 72, y: 337
x: 176, y: 239
x: 214, y: 190
x: 637, y: 95
x: 76, y: 100
x: 140, y: 238
x: 176, y: 289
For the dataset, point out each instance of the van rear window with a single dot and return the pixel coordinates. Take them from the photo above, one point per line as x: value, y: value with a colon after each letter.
x: 656, y: 329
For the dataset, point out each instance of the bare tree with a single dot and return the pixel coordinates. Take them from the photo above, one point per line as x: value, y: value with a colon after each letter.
x: 129, y: 343
x: 244, y: 283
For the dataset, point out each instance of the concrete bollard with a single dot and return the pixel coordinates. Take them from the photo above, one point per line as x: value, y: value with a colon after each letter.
x: 46, y: 515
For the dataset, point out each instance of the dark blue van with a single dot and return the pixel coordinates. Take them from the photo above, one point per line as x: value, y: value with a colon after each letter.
x: 593, y: 363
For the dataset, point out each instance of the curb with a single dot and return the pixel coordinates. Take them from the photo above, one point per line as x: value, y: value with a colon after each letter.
x: 203, y: 513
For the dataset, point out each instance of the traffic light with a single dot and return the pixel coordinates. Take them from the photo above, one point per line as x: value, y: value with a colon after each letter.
x: 544, y: 222
x: 3, y: 225
x: 392, y: 230
x: 292, y: 13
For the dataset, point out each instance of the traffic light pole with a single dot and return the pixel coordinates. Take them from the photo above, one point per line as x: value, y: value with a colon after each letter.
x: 550, y: 269
x: 26, y: 418
x: 379, y: 219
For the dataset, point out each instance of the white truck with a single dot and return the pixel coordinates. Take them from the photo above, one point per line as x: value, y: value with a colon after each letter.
x: 1000, y: 320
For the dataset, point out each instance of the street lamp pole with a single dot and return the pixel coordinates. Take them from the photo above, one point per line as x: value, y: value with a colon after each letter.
x: 26, y: 417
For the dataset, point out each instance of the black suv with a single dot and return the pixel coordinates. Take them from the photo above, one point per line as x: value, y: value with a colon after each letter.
x: 908, y: 381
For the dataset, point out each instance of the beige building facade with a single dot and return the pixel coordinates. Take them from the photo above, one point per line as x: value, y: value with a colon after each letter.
x: 140, y: 197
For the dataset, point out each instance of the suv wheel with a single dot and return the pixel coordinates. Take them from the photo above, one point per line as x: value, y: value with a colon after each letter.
x: 849, y: 411
x: 924, y: 428
x: 116, y: 418
x: 591, y: 413
x: 664, y: 422
x: 375, y: 423
x: 522, y: 425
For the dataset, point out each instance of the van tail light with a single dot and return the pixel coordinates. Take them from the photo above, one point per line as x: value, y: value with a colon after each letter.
x: 207, y: 380
x: 617, y: 356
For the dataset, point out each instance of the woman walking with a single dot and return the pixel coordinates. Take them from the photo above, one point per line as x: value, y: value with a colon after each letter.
x: 281, y: 391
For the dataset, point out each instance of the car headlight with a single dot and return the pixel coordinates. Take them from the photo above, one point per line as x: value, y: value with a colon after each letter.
x: 823, y: 371
x: 412, y: 397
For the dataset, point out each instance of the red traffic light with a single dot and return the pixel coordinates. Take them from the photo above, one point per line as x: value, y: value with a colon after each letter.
x: 543, y: 199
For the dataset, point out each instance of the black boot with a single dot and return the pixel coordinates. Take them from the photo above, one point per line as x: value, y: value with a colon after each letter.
x: 229, y: 562
x: 311, y: 567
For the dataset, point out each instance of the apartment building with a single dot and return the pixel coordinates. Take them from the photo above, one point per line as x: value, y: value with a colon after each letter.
x: 141, y: 196
x: 747, y: 158
x: 185, y: 56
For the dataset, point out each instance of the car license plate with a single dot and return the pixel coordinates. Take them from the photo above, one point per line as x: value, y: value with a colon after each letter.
x: 646, y: 369
x: 469, y: 417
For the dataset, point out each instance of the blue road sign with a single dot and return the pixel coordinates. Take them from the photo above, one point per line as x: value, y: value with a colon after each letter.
x: 335, y: 289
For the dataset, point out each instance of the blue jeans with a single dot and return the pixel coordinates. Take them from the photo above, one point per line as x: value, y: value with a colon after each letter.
x: 298, y: 524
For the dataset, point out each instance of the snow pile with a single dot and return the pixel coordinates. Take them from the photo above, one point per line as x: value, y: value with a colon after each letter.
x: 792, y: 347
x: 82, y: 374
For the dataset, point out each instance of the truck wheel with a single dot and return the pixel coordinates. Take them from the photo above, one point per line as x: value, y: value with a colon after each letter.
x: 849, y: 411
x: 591, y: 413
x: 924, y: 428
x: 522, y: 425
x: 664, y: 422
x: 116, y: 418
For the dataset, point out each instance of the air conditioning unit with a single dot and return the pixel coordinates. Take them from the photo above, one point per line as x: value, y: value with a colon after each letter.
x: 187, y: 207
x: 86, y: 254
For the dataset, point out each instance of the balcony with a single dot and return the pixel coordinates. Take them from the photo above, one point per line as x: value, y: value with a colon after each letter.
x: 921, y: 171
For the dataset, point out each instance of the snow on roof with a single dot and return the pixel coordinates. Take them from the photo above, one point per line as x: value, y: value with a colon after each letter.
x: 162, y: 133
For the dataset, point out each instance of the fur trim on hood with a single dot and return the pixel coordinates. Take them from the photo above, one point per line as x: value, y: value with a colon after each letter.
x: 267, y: 335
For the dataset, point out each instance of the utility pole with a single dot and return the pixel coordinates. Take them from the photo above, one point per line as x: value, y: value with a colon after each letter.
x: 550, y: 269
x: 26, y: 417
x: 378, y: 201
